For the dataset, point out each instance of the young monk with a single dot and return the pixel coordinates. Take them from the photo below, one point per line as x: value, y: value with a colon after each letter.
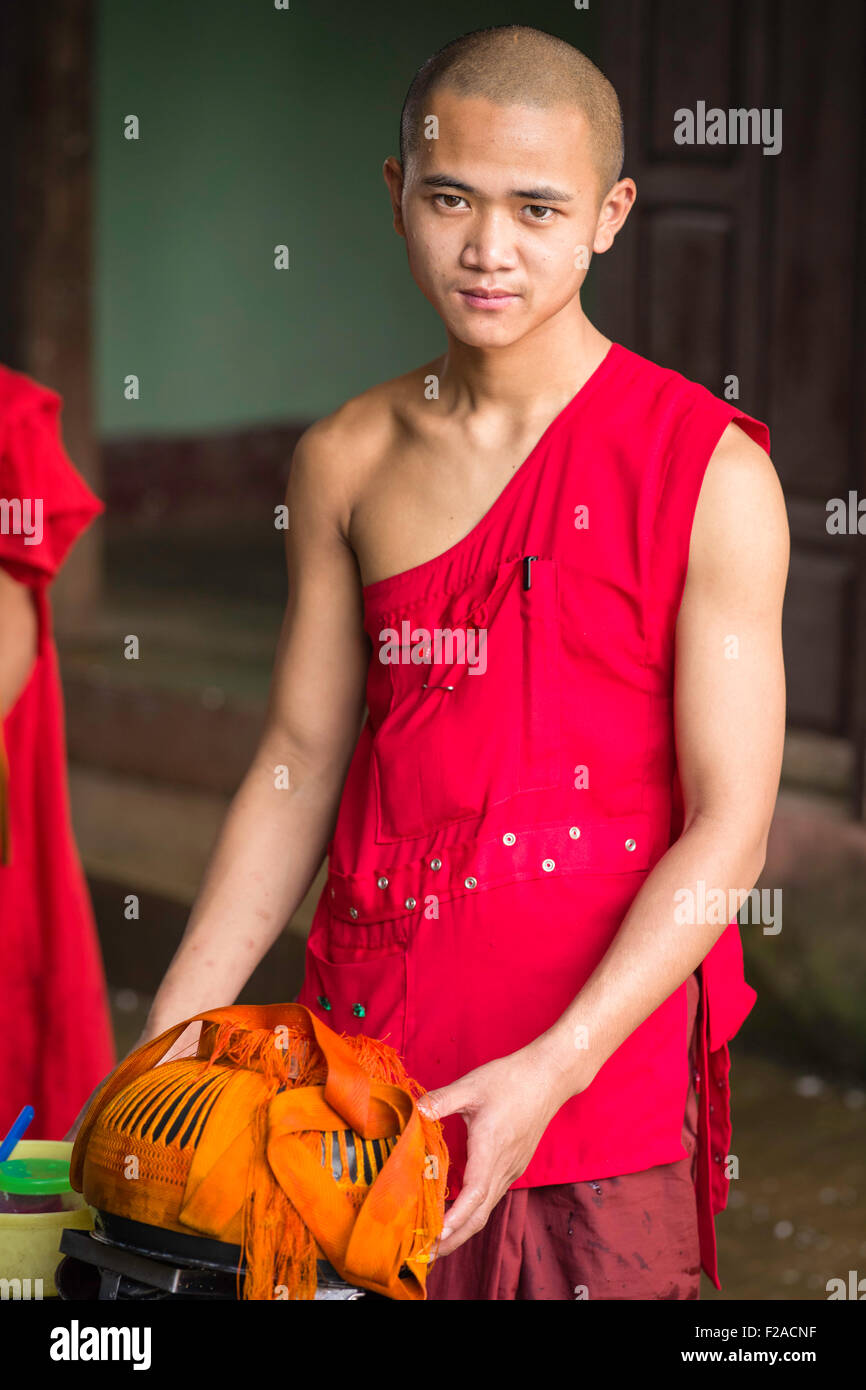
x: 555, y: 571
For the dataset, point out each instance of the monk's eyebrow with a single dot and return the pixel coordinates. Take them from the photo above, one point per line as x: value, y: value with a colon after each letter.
x: 543, y: 194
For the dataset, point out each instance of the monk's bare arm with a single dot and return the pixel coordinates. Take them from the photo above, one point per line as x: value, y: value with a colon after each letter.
x: 18, y: 639
x: 274, y: 836
x: 729, y: 711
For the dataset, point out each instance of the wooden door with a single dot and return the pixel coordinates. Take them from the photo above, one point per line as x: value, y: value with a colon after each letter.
x: 737, y: 263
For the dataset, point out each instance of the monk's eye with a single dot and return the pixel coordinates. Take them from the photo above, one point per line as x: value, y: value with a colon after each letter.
x: 539, y: 207
x: 455, y: 198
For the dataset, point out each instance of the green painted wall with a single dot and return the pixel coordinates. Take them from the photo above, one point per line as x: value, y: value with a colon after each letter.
x: 260, y: 126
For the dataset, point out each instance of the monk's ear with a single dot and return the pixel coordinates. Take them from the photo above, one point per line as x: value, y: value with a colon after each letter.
x: 615, y: 208
x: 392, y: 172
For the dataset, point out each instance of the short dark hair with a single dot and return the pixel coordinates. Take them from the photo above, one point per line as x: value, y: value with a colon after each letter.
x: 513, y: 64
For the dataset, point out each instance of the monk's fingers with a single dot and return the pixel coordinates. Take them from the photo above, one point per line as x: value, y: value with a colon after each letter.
x: 460, y: 1097
x: 473, y: 1206
x: 467, y: 1215
x: 432, y: 1102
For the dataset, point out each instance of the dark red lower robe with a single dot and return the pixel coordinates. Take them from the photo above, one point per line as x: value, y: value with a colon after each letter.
x: 56, y: 1029
x: 635, y: 1237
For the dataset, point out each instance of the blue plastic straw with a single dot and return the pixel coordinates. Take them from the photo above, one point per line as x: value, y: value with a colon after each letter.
x: 16, y: 1132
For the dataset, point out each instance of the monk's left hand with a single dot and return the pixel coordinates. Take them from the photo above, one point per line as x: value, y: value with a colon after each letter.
x: 507, y: 1105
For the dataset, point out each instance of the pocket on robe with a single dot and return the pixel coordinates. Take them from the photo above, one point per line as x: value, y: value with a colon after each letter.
x: 359, y: 995
x: 473, y: 712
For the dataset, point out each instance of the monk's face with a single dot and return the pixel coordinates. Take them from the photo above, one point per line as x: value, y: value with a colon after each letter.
x: 505, y: 199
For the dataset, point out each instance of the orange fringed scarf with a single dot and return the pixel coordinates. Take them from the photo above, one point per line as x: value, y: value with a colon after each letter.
x: 254, y: 1172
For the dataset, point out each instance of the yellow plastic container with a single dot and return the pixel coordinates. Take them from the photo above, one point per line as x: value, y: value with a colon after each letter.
x: 29, y: 1244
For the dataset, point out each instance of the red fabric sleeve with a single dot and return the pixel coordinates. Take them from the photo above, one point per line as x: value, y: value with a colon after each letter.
x: 44, y: 502
x: 44, y: 505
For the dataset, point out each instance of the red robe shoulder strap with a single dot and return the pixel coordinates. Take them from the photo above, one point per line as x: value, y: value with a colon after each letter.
x: 45, y: 502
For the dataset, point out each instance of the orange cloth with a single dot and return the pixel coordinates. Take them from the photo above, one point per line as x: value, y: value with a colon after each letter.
x: 277, y: 1079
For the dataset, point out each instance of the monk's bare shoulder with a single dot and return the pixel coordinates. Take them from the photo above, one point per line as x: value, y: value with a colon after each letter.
x: 337, y: 457
x: 740, y: 539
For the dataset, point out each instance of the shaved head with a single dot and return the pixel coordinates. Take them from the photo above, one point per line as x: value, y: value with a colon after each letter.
x: 515, y: 65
